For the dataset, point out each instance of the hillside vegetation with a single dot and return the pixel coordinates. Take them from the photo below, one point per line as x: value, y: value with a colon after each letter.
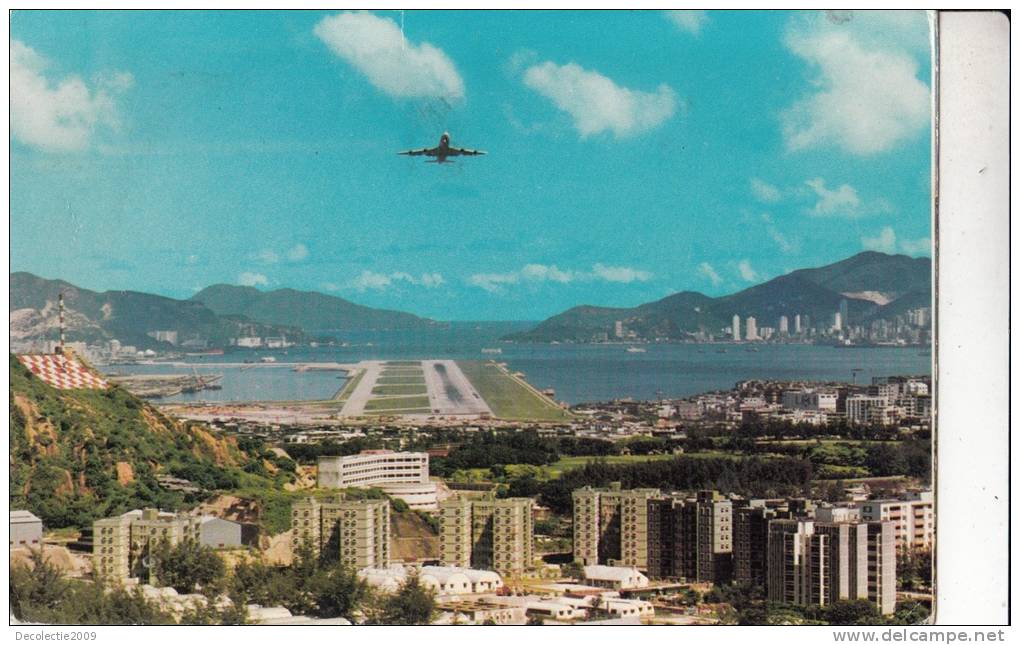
x: 77, y: 455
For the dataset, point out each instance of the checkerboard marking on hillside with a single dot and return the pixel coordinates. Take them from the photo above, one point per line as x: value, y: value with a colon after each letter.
x: 62, y: 372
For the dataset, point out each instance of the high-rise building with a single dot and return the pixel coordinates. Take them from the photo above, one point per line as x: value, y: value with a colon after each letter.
x: 784, y: 325
x: 611, y: 526
x: 735, y: 327
x: 618, y: 329
x: 796, y: 324
x: 818, y: 563
x: 752, y: 329
x: 844, y: 313
x: 358, y: 529
x: 913, y: 518
x: 496, y: 534
x: 750, y: 543
x: 837, y: 321
x: 122, y: 546
x: 667, y: 536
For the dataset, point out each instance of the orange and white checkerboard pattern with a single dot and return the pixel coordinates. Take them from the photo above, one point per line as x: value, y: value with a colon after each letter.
x: 62, y: 372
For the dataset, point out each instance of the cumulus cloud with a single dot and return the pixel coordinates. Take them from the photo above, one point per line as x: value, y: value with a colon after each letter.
x: 64, y: 116
x: 250, y: 279
x: 707, y: 271
x: 380, y: 281
x: 747, y: 272
x: 920, y: 246
x: 620, y: 274
x: 536, y: 273
x: 764, y: 191
x: 866, y: 97
x: 840, y: 201
x: 885, y: 241
x: 377, y: 48
x: 690, y: 20
x: 267, y: 256
x: 493, y: 282
x: 297, y: 253
x: 596, y: 103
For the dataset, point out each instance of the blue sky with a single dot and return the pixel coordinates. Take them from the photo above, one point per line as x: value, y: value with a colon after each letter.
x: 631, y: 154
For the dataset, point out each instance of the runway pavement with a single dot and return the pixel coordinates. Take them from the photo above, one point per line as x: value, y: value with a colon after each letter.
x: 450, y: 392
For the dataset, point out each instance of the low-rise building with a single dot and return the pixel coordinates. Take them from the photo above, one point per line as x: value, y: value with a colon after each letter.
x: 616, y: 578
x: 218, y: 533
x: 404, y: 475
x: 26, y: 530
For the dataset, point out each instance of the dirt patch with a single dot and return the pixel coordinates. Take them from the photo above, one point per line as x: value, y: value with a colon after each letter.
x: 306, y: 478
x: 72, y: 564
x: 278, y: 549
x: 413, y: 539
x: 229, y: 507
x: 125, y: 473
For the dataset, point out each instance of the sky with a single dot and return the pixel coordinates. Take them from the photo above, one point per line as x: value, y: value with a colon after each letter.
x: 631, y: 155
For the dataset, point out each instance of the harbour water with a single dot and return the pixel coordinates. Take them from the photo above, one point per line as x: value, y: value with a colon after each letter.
x: 576, y: 372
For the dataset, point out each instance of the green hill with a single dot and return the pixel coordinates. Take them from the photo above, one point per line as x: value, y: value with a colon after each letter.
x: 125, y: 315
x: 76, y: 455
x: 306, y: 309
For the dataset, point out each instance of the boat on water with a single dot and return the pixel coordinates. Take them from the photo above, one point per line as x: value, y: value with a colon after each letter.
x: 636, y: 350
x: 267, y: 359
x: 721, y: 350
x: 492, y: 350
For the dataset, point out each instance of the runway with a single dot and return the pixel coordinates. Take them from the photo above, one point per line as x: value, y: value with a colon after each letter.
x: 450, y: 392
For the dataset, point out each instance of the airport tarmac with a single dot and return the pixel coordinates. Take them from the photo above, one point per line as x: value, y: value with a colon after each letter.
x: 450, y: 392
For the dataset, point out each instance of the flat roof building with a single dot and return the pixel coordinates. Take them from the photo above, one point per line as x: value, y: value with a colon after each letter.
x: 404, y: 475
x: 358, y: 530
x: 496, y: 534
x: 26, y: 530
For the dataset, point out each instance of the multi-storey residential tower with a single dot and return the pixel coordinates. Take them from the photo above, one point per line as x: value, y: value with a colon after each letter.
x: 495, y: 534
x: 357, y: 530
x: 123, y: 545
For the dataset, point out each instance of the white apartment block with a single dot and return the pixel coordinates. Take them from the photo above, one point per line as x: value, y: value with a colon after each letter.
x: 404, y: 475
x: 495, y: 534
x: 862, y: 408
x: 809, y: 400
x: 912, y: 517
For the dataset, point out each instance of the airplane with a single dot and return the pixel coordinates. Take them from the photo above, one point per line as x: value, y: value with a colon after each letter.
x: 442, y: 151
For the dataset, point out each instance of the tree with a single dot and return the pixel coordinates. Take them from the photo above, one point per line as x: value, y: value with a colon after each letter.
x: 337, y: 592
x: 412, y: 604
x: 36, y: 588
x: 853, y: 612
x: 187, y: 566
x: 572, y: 570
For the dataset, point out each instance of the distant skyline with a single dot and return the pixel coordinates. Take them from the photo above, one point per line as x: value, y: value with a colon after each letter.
x: 705, y: 151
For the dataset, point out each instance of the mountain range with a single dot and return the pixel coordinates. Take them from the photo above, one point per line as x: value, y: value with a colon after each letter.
x: 230, y: 312
x: 308, y: 310
x: 875, y: 285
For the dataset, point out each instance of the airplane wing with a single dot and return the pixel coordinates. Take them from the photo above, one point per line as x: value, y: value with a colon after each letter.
x: 464, y: 151
x: 420, y: 151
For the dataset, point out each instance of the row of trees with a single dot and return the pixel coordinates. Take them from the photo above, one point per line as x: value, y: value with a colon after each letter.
x: 310, y: 586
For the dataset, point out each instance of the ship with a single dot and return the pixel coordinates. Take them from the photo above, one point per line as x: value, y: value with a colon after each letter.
x: 492, y: 350
x: 636, y: 350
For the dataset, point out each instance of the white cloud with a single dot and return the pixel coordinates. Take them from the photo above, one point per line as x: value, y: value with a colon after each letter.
x: 493, y: 282
x: 885, y: 241
x: 63, y: 117
x: 764, y: 191
x: 841, y: 201
x: 297, y: 253
x: 380, y: 281
x: 690, y: 20
x: 784, y: 244
x: 377, y: 48
x: 708, y: 271
x: 596, y: 103
x: 920, y: 246
x: 249, y: 279
x: 866, y: 96
x: 536, y: 273
x: 747, y: 272
x: 620, y: 274
x: 267, y: 256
